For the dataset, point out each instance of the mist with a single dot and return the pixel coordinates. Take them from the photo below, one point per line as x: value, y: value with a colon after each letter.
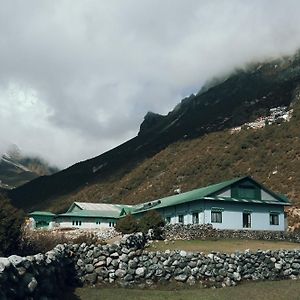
x: 77, y: 78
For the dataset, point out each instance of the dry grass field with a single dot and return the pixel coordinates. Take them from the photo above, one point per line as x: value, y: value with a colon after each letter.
x: 226, y: 246
x: 267, y: 290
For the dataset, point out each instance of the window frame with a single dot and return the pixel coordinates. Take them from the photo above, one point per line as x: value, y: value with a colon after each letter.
x: 195, y: 214
x: 179, y: 217
x: 249, y: 224
x: 215, y: 219
x: 271, y: 218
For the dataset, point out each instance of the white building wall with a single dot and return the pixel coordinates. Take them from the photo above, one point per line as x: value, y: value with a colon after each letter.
x: 232, y: 214
x: 267, y: 196
x: 86, y: 223
x: 225, y: 193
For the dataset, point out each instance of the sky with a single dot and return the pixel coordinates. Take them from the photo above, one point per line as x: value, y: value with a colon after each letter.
x: 77, y: 77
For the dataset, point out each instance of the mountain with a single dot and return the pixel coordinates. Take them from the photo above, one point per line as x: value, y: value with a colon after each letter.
x: 17, y: 169
x: 245, y: 123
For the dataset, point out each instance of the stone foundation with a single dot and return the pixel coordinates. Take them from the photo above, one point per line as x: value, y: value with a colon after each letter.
x: 203, y: 232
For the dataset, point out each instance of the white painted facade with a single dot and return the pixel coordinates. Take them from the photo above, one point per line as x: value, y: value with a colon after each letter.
x: 85, y: 223
x: 232, y: 215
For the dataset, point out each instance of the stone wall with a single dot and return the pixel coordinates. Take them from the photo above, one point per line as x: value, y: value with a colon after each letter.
x: 129, y: 263
x: 130, y: 266
x: 40, y: 276
x: 193, y: 232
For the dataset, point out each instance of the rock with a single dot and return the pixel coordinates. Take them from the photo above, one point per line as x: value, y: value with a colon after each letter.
x: 140, y: 272
x: 108, y: 261
x: 15, y: 260
x: 80, y: 262
x: 278, y: 266
x: 296, y: 266
x: 89, y: 268
x: 128, y: 277
x: 100, y: 263
x: 181, y: 277
x: 120, y: 273
x: 191, y: 280
x: 114, y: 255
x: 183, y: 253
x: 4, y: 263
x: 236, y: 276
x: 124, y: 257
x: 90, y: 278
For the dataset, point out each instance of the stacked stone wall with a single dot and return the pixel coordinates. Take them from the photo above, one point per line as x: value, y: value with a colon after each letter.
x: 203, y: 232
x: 128, y: 263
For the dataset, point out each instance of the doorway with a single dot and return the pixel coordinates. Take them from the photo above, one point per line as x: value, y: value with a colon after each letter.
x: 246, y: 220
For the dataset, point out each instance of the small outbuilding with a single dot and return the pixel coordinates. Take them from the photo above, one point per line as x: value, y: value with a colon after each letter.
x: 42, y: 219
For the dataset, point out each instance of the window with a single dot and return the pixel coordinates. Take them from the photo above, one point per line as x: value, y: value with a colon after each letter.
x: 98, y: 222
x: 180, y: 219
x: 168, y: 220
x: 274, y: 218
x: 79, y: 223
x: 195, y: 218
x: 73, y: 223
x: 216, y: 216
x: 246, y: 220
x: 109, y: 224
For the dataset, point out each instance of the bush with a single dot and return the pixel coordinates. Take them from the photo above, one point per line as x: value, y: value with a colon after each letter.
x: 151, y: 220
x: 41, y: 241
x: 11, y: 220
x: 127, y: 224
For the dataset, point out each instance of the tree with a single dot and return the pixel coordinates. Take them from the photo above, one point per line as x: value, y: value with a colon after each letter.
x: 11, y: 220
x: 127, y: 224
x: 151, y: 220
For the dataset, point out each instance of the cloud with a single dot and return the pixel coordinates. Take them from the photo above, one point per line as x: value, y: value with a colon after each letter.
x: 77, y: 77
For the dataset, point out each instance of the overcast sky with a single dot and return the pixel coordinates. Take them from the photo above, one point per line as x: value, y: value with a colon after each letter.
x: 77, y: 77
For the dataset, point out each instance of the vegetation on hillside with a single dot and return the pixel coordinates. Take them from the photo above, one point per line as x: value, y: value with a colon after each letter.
x: 11, y: 220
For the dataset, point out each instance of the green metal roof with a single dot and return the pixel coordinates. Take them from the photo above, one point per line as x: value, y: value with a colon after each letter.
x: 92, y: 214
x: 42, y: 213
x: 102, y: 210
x: 185, y: 197
x: 205, y: 193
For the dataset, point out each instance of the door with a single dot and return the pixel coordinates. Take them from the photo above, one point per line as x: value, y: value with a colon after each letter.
x: 246, y: 220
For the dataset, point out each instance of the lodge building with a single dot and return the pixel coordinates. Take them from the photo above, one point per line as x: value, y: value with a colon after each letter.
x: 240, y: 203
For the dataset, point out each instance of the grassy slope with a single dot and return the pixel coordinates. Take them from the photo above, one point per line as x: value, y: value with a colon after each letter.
x: 268, y: 290
x: 226, y: 246
x: 212, y: 158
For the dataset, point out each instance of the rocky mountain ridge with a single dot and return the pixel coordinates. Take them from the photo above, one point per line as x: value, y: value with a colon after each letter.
x: 17, y: 169
x: 191, y: 146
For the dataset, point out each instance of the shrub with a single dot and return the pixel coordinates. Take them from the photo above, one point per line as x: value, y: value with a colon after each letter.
x: 11, y: 220
x: 41, y: 241
x: 127, y: 224
x: 151, y: 220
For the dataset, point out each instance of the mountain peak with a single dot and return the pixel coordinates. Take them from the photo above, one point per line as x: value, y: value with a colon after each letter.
x: 151, y: 119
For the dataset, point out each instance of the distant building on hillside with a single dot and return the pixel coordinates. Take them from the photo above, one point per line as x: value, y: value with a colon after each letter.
x: 240, y: 203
